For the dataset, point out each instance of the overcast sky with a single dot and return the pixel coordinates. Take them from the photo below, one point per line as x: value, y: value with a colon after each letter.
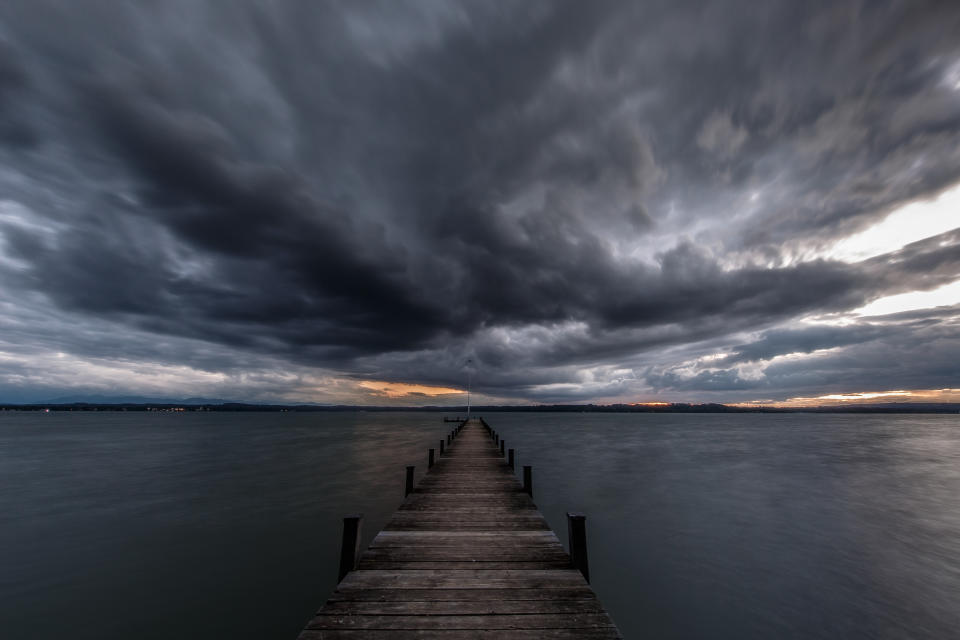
x: 593, y: 201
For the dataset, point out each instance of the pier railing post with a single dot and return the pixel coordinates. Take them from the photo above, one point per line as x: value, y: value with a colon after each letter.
x: 409, y: 486
x: 577, y: 533
x: 503, y: 443
x: 430, y: 454
x: 528, y: 479
x: 441, y: 446
x: 448, y: 439
x: 350, y: 547
x: 511, y: 460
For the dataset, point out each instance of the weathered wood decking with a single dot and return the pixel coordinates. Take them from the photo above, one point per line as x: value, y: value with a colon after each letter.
x: 467, y: 555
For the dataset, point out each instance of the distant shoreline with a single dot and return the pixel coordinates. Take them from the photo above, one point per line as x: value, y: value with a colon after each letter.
x: 915, y: 408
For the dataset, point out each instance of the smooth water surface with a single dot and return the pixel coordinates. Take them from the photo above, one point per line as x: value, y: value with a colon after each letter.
x: 181, y: 525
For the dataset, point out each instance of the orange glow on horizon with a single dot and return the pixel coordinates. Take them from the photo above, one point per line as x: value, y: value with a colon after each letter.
x: 894, y: 395
x: 402, y: 389
x: 649, y: 404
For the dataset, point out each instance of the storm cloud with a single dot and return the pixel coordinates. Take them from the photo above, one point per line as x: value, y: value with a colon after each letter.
x: 282, y: 201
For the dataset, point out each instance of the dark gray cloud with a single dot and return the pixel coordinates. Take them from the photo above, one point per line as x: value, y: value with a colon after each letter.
x: 900, y: 351
x: 583, y: 197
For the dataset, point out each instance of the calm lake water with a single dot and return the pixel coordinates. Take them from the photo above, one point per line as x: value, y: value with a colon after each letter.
x: 699, y: 526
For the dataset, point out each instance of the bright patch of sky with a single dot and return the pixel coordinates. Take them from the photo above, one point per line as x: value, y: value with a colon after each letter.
x: 910, y: 223
x: 894, y: 395
x: 401, y: 389
x: 946, y: 295
x: 952, y: 77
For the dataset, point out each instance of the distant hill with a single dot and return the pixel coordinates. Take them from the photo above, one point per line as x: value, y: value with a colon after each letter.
x: 104, y: 400
x: 143, y: 403
x: 890, y: 407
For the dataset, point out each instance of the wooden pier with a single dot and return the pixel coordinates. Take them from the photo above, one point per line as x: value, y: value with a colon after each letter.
x: 467, y: 555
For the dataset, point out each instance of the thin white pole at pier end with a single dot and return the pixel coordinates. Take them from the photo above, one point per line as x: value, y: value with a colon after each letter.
x: 469, y: 383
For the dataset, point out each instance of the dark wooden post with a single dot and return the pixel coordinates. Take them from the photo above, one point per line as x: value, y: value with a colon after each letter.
x: 528, y: 479
x: 430, y: 459
x: 577, y: 532
x: 510, y: 459
x: 350, y: 547
x: 441, y: 446
x: 448, y: 439
x: 503, y: 443
x: 409, y: 488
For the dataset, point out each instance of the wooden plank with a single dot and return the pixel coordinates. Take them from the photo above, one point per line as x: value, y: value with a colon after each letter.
x: 465, y: 508
x: 400, y: 554
x: 459, y: 634
x: 464, y: 607
x: 478, y: 515
x: 465, y: 579
x: 467, y: 564
x: 506, y: 500
x: 554, y: 593
x: 461, y: 525
x: 468, y: 537
x: 483, y: 621
x: 476, y: 548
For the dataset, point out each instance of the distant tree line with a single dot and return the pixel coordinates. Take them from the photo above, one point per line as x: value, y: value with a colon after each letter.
x: 679, y: 407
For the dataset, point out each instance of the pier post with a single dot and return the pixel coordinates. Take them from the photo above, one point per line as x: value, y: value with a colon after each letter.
x: 503, y: 443
x: 430, y: 459
x: 510, y: 459
x: 409, y: 486
x: 577, y: 533
x: 528, y: 479
x: 448, y: 439
x: 441, y: 446
x: 350, y: 547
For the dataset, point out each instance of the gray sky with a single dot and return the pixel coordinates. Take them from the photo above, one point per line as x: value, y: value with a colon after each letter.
x: 594, y: 201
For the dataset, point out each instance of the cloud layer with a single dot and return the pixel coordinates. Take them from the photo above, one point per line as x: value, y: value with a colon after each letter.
x: 586, y: 199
